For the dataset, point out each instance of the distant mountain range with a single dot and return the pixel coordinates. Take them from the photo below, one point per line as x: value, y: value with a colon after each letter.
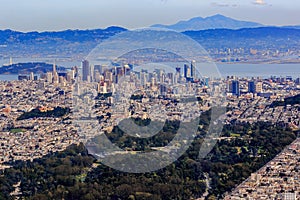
x: 294, y: 27
x: 75, y: 43
x: 263, y: 38
x: 213, y: 22
x: 10, y: 36
x: 221, y: 33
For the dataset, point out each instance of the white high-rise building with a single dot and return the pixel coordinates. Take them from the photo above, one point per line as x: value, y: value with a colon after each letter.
x: 91, y: 73
x: 31, y: 77
x: 49, y: 77
x: 55, y: 74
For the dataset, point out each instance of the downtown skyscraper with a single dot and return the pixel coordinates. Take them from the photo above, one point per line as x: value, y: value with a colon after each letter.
x: 86, y: 76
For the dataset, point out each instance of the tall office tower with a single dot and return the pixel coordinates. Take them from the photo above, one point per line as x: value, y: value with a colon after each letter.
x: 116, y: 79
x: 160, y: 75
x: 49, y: 76
x: 31, y: 76
x: 54, y: 74
x: 152, y: 75
x: 177, y: 78
x: 178, y: 70
x: 177, y: 75
x: 126, y: 69
x: 62, y: 81
x: 121, y: 71
x: 133, y: 77
x: 259, y: 87
x: 153, y: 82
x: 72, y: 74
x: 229, y: 86
x: 162, y: 78
x: 75, y: 69
x: 206, y: 81
x: 97, y: 76
x: 11, y: 61
x: 144, y: 78
x: 55, y: 78
x: 85, y: 70
x: 108, y: 75
x: 171, y: 78
x: 187, y: 72
x: 69, y: 78
x: 251, y: 87
x: 138, y: 75
x: 91, y: 74
x: 235, y: 87
x: 54, y: 68
x: 193, y: 69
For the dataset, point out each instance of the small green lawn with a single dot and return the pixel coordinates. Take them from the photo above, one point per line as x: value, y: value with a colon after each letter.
x: 16, y: 130
x: 235, y: 135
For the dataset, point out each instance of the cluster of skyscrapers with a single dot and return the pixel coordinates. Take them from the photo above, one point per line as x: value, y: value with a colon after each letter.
x: 253, y: 86
x: 106, y: 77
x: 56, y: 77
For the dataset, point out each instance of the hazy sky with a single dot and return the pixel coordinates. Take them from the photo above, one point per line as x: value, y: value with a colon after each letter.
x: 41, y: 15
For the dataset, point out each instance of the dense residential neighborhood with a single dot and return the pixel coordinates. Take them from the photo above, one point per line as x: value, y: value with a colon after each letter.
x: 46, y: 114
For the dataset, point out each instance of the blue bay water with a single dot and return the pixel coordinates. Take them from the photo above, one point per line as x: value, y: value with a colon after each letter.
x: 239, y: 70
x: 260, y: 70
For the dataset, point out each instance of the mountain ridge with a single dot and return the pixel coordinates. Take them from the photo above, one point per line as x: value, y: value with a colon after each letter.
x: 77, y: 44
x: 109, y: 28
x: 212, y: 22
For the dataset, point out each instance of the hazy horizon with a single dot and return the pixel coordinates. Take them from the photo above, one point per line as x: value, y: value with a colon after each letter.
x: 54, y: 15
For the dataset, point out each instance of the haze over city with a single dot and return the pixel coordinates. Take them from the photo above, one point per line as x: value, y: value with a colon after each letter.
x: 35, y: 15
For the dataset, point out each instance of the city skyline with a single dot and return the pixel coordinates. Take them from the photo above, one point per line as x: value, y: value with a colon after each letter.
x: 34, y: 15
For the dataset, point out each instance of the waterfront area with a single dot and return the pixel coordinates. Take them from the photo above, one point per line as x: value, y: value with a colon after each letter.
x: 262, y: 70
